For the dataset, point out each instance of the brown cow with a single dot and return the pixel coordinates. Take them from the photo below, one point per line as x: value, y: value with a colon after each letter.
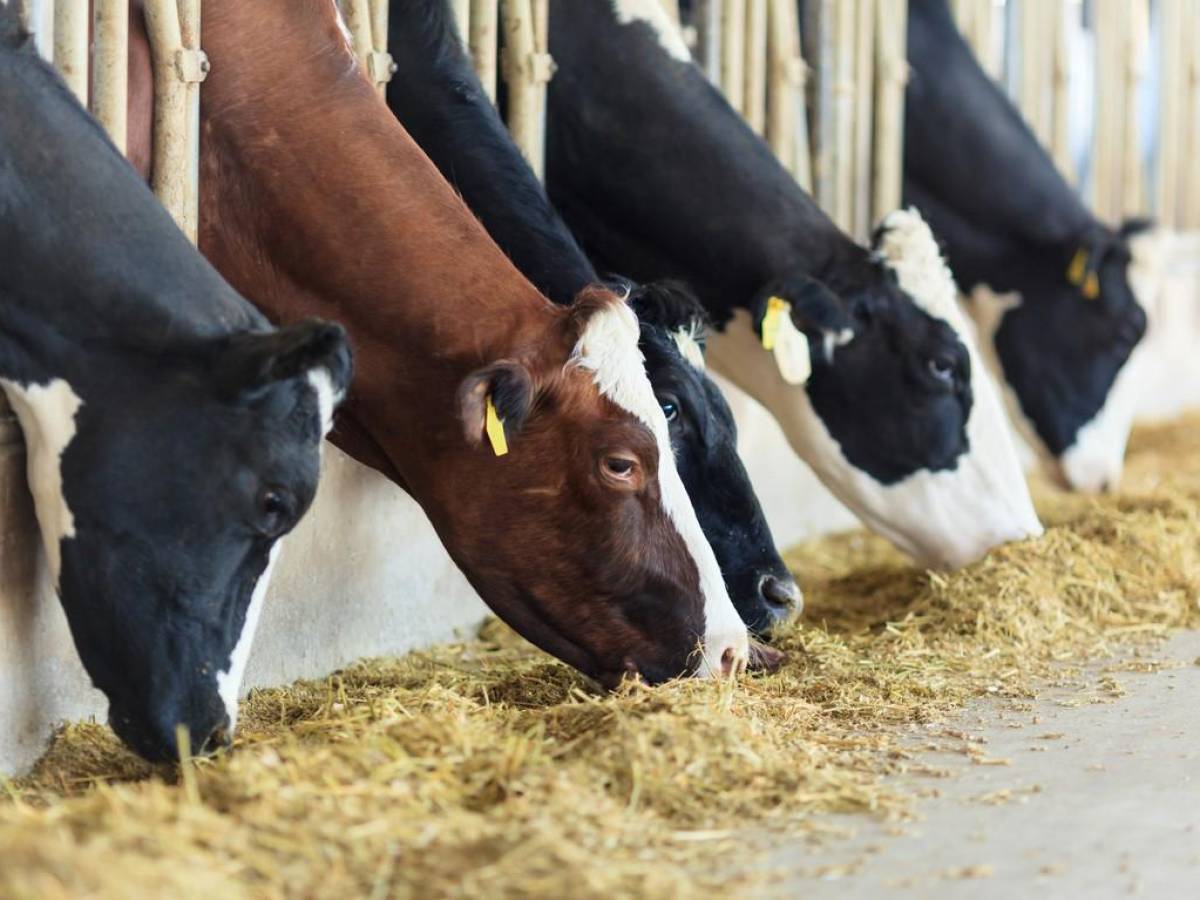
x: 315, y: 201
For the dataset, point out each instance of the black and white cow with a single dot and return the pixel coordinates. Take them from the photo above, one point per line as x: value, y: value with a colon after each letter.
x: 870, y: 376
x: 172, y: 436
x: 1050, y: 285
x: 440, y: 101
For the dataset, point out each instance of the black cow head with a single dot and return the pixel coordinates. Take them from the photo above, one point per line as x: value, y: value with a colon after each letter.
x: 895, y: 416
x: 1063, y: 324
x: 704, y: 441
x: 162, y: 483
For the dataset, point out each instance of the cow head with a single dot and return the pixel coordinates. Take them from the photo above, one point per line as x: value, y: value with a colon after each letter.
x: 573, y: 521
x: 876, y: 385
x: 704, y: 441
x: 1061, y: 338
x: 162, y: 483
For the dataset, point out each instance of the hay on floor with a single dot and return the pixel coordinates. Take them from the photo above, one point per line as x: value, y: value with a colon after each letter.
x: 488, y: 769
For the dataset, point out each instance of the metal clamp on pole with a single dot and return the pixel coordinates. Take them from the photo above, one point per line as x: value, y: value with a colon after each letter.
x: 380, y: 68
x: 191, y: 66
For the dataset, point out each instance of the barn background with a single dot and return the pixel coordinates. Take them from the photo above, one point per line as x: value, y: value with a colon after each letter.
x: 364, y: 574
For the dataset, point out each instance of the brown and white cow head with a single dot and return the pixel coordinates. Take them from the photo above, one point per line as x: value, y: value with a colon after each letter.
x: 571, y: 518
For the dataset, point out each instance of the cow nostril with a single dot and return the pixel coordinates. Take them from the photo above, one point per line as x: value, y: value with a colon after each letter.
x: 782, y: 595
x: 218, y: 739
x: 732, y: 662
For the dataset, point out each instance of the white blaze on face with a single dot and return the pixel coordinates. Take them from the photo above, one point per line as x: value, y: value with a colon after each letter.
x: 654, y: 14
x: 609, y: 349
x: 47, y: 416
x: 229, y: 682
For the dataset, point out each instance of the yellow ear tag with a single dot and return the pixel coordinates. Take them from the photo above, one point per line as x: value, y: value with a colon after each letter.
x: 777, y: 309
x: 1091, y: 287
x: 495, y: 429
x: 1078, y: 266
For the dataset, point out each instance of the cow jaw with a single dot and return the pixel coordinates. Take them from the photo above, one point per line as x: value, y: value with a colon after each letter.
x: 944, y: 519
x: 609, y: 349
x: 47, y: 416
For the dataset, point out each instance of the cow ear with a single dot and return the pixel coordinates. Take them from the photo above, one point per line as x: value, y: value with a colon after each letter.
x: 814, y: 308
x: 252, y: 361
x: 495, y: 401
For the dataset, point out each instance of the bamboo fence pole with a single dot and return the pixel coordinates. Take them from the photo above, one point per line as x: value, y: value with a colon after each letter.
x: 1134, y: 69
x: 462, y: 20
x: 110, y: 68
x: 864, y: 118
x: 71, y: 45
x: 754, y: 101
x: 380, y: 65
x: 1190, y: 214
x: 357, y: 16
x: 179, y: 67
x: 1060, y: 73
x: 527, y: 69
x: 733, y: 49
x: 672, y: 8
x: 484, y: 32
x: 1032, y: 81
x: 1172, y: 81
x: 891, y: 76
x: 1109, y: 25
x: 786, y: 124
x: 844, y: 95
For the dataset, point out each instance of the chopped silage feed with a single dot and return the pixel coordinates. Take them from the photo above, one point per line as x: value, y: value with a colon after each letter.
x: 487, y: 768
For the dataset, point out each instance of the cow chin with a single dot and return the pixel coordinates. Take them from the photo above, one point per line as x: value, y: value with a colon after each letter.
x: 1094, y: 461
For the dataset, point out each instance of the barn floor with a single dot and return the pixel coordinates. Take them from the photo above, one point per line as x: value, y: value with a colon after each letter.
x: 1095, y: 799
x: 485, y: 769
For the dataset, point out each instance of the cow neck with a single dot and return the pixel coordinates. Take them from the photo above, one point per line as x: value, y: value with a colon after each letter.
x: 318, y: 203
x: 439, y: 100
x: 997, y: 175
x: 95, y: 257
x: 660, y: 178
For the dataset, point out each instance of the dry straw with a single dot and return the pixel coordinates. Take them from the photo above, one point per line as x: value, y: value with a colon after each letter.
x: 487, y: 769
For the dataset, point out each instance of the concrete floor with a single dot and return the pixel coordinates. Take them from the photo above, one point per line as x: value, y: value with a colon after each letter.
x: 1097, y: 799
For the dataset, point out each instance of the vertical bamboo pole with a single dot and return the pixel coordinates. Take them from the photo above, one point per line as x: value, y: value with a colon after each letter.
x: 891, y: 75
x: 1173, y: 86
x: 976, y: 22
x: 787, y: 125
x: 462, y: 20
x: 1137, y: 39
x: 179, y: 67
x: 485, y: 26
x: 38, y: 17
x: 844, y: 94
x: 71, y: 45
x: 1032, y: 81
x: 357, y: 16
x: 733, y: 50
x: 110, y: 67
x: 672, y: 8
x: 1190, y: 214
x: 1109, y: 23
x: 754, y: 100
x: 864, y: 118
x: 527, y: 69
x: 1060, y: 108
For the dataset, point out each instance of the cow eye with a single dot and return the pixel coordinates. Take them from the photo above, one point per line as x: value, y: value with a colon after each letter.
x: 942, y: 369
x: 274, y: 512
x: 670, y: 408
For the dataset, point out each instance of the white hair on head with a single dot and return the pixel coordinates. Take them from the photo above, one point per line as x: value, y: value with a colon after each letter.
x: 654, y: 14
x: 687, y: 339
x: 908, y: 247
x: 608, y: 348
